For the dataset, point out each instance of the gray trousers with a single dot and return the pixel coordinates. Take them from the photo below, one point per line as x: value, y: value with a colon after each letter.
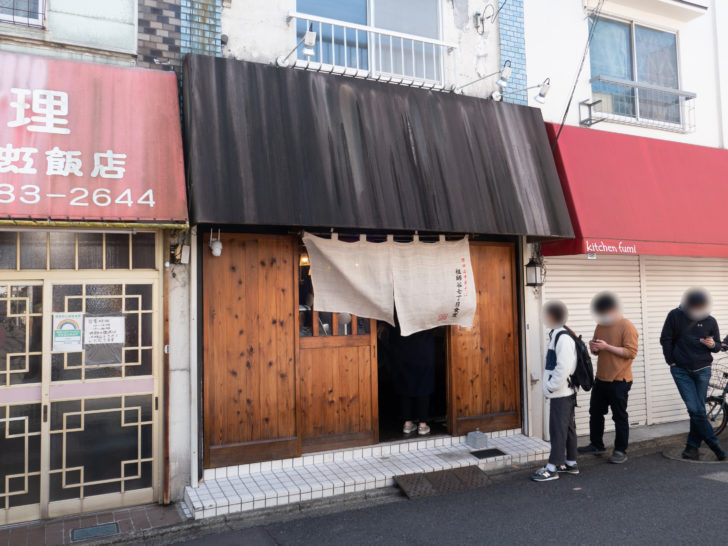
x: 562, y: 428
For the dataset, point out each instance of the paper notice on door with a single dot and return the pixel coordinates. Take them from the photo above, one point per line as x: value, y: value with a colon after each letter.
x: 67, y: 332
x: 104, y: 330
x: 103, y: 339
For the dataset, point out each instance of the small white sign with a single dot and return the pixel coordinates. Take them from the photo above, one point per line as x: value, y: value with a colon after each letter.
x: 104, y: 330
x: 67, y: 332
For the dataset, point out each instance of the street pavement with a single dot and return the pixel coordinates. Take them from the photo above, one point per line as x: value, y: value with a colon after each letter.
x: 647, y: 500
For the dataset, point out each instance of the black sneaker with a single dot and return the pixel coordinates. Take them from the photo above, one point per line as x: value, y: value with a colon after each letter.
x: 568, y: 469
x: 691, y: 453
x: 591, y: 449
x: 618, y: 457
x: 716, y: 448
x: 544, y: 475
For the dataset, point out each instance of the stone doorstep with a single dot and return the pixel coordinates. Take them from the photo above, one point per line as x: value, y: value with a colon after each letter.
x: 278, y: 483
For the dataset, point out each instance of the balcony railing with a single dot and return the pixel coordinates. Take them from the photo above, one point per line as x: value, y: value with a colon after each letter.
x: 369, y: 52
x: 635, y: 103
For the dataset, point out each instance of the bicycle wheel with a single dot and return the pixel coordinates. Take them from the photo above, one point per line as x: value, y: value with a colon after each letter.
x: 716, y: 411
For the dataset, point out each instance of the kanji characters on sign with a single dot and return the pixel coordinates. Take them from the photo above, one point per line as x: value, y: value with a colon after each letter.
x: 109, y: 165
x: 50, y: 108
x: 63, y: 163
x: 17, y: 160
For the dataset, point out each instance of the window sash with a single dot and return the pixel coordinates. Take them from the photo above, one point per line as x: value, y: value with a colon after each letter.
x: 630, y: 101
x: 22, y: 12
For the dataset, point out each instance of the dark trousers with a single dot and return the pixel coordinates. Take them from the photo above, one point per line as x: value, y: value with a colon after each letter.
x: 608, y: 395
x: 562, y: 429
x: 693, y: 387
x: 415, y: 408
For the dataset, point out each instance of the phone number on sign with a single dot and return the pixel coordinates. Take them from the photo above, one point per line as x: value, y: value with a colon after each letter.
x: 78, y: 197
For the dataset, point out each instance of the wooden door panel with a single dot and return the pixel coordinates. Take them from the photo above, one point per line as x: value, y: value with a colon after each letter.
x: 249, y: 295
x: 484, y: 377
x: 337, y: 378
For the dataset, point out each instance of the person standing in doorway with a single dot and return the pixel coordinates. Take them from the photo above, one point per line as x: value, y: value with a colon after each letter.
x: 615, y: 344
x: 413, y: 376
x: 689, y: 338
x: 560, y: 366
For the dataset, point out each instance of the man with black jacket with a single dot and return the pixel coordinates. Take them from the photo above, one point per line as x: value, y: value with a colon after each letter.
x: 689, y: 337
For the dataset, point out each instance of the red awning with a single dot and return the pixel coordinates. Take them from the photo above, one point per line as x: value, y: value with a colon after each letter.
x: 89, y: 142
x: 634, y: 195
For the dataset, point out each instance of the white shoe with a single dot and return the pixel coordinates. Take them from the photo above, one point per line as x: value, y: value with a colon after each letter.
x: 423, y: 430
x: 409, y: 427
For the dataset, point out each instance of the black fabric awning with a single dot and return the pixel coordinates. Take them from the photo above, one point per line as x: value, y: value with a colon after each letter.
x: 286, y: 147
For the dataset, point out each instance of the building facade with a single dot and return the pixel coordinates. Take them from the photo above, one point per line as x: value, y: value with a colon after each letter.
x: 359, y: 76
x: 643, y: 138
x: 94, y: 243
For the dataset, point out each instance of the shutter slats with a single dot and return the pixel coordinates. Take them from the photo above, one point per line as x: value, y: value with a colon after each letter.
x: 574, y: 280
x: 667, y: 279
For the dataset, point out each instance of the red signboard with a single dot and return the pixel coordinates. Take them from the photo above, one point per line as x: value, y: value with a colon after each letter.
x: 81, y: 141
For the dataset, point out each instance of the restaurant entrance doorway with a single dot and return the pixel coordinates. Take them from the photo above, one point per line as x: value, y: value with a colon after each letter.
x: 412, y: 379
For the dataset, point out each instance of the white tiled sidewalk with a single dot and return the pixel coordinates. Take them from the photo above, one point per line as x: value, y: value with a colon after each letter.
x: 287, y: 481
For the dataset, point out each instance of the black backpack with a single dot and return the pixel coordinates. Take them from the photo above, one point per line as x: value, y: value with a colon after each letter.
x: 583, y: 376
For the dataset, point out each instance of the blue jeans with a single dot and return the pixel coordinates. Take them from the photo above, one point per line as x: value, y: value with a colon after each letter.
x: 693, y: 387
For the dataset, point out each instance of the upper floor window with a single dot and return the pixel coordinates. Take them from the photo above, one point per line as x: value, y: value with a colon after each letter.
x: 634, y: 72
x: 22, y: 12
x: 374, y: 36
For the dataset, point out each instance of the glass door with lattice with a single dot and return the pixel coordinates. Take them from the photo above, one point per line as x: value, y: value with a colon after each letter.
x: 79, y: 354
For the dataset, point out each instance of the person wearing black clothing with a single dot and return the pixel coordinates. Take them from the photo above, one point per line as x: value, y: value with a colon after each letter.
x: 413, y: 376
x: 689, y: 338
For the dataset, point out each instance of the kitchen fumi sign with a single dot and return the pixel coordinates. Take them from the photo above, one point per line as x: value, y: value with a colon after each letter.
x: 86, y: 141
x: 610, y: 247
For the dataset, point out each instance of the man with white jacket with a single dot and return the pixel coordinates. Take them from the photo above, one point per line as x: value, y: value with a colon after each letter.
x: 560, y: 365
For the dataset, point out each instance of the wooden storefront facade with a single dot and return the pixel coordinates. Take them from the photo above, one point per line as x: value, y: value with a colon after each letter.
x: 270, y: 393
x: 272, y: 152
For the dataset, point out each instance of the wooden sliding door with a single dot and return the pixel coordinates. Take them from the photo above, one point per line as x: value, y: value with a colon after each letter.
x: 484, y: 373
x: 337, y: 382
x: 250, y: 311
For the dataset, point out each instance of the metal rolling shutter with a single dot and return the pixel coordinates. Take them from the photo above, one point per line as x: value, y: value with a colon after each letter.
x: 666, y: 280
x: 574, y: 280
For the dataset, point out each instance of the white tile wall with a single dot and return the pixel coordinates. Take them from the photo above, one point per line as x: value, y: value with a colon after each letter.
x: 274, y: 483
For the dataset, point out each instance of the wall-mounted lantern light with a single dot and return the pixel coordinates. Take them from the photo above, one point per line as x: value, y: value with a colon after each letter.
x: 534, y: 273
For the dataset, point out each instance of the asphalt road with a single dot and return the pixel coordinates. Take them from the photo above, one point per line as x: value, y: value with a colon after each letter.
x: 647, y: 500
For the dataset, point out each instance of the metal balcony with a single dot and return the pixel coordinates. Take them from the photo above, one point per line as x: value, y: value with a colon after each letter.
x: 368, y: 52
x: 641, y: 104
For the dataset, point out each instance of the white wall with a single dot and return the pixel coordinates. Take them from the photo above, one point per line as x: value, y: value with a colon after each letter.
x: 535, y: 356
x: 556, y: 34
x: 90, y: 30
x: 258, y: 32
x: 180, y: 414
